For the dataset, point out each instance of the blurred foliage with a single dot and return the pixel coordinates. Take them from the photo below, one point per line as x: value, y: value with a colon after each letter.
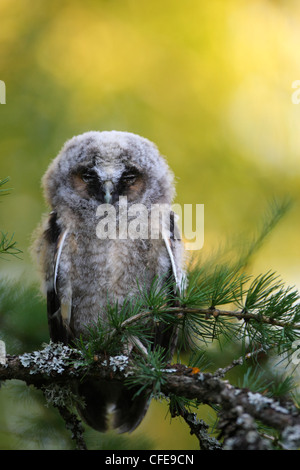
x: 209, y: 82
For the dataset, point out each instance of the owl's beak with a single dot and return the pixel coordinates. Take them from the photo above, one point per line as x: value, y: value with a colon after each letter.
x: 108, y: 191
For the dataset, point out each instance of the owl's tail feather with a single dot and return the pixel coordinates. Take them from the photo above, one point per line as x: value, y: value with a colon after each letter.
x: 93, y: 410
x: 130, y: 411
x: 97, y: 396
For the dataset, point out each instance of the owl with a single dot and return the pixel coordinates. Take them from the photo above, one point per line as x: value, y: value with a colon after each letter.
x: 82, y: 268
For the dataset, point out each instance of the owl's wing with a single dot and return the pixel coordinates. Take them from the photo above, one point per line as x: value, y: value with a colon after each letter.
x: 58, y: 309
x: 173, y: 245
x: 166, y: 335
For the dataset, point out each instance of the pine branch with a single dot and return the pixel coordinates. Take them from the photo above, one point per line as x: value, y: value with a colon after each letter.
x: 74, y: 425
x: 238, y: 362
x: 179, y: 312
x: 199, y: 429
x: 4, y: 192
x: 57, y: 364
x: 263, y: 311
x: 7, y: 245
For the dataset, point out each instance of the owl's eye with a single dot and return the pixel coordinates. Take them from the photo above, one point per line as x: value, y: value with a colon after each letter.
x: 130, y: 177
x: 87, y: 176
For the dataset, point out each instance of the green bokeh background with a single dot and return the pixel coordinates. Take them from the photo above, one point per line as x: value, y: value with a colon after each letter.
x: 209, y: 82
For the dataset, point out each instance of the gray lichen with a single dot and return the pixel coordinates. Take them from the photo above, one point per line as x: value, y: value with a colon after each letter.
x: 200, y: 377
x: 117, y: 363
x: 61, y: 396
x: 260, y: 402
x: 246, y: 436
x: 53, y: 358
x: 291, y: 437
x: 2, y: 353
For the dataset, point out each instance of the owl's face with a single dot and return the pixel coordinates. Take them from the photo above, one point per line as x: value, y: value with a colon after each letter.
x: 105, y: 184
x: 100, y: 167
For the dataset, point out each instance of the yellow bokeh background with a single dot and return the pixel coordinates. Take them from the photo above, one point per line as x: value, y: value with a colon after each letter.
x: 209, y: 82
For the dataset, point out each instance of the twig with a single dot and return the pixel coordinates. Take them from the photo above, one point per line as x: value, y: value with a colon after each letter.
x: 208, y: 312
x: 199, y: 428
x: 75, y: 426
x: 238, y: 362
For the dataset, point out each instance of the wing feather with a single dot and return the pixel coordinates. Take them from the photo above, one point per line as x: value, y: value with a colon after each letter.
x: 59, y: 246
x: 59, y: 313
x: 166, y: 335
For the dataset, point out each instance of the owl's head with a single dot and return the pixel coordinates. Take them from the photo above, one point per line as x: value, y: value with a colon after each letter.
x: 99, y: 167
